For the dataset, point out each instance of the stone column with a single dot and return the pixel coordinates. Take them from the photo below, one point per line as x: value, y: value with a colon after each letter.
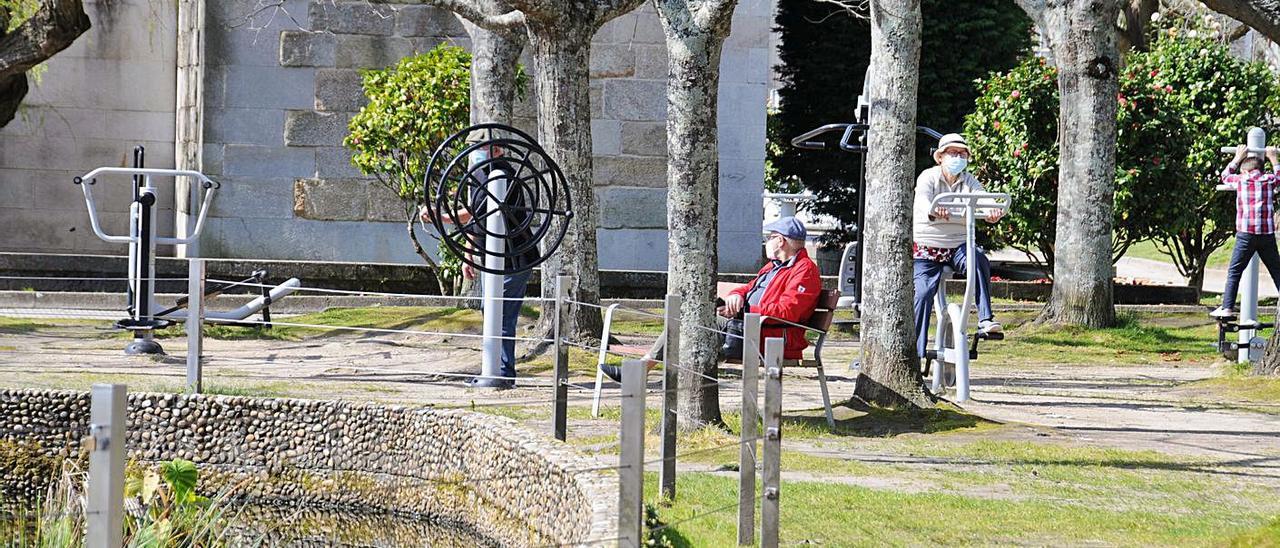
x: 189, y: 109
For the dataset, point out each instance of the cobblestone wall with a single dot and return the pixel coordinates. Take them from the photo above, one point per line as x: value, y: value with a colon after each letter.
x: 511, y: 485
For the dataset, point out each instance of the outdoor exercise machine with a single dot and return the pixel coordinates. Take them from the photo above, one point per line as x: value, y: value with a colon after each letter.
x: 852, y: 139
x: 464, y: 176
x: 952, y: 351
x: 144, y: 314
x: 1248, y: 346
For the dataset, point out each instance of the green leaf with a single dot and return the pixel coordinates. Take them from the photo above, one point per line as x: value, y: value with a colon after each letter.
x: 181, y: 476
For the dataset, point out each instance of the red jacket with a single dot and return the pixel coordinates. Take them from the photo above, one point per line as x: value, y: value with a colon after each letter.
x: 791, y: 296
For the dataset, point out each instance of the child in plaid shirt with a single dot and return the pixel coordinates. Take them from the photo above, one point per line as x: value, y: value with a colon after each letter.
x: 1255, y: 223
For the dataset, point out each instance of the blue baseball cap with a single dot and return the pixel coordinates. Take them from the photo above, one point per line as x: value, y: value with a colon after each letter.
x: 789, y: 227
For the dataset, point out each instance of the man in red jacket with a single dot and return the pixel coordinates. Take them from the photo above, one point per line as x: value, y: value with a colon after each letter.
x: 787, y: 289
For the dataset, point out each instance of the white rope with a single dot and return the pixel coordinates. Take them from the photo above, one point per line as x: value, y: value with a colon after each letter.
x: 385, y: 294
x: 377, y: 330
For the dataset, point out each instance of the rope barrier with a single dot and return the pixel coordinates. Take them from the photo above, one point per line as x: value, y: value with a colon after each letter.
x: 375, y: 330
x: 385, y: 294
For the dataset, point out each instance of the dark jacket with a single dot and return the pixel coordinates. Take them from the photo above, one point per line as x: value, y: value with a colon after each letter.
x: 517, y: 216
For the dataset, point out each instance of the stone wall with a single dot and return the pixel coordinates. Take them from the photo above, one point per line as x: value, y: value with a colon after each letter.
x: 527, y: 490
x: 111, y: 90
x: 279, y: 87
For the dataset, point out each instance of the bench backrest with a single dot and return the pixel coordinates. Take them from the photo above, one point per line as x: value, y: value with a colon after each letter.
x: 825, y: 310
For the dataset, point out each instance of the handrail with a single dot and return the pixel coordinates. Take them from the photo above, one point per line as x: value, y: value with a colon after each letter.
x: 88, y: 180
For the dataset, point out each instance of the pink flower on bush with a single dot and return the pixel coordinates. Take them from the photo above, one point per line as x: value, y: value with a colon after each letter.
x: 1168, y: 89
x: 1155, y: 160
x: 1016, y: 94
x: 1154, y: 73
x: 1017, y: 153
x: 997, y: 124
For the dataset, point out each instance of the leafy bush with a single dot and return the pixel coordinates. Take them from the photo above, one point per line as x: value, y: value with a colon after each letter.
x: 413, y: 107
x: 1179, y: 102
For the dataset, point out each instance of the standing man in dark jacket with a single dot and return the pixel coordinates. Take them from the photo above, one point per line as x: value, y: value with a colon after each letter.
x: 519, y: 235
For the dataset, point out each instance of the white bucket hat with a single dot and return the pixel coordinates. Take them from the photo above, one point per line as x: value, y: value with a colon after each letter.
x: 950, y: 140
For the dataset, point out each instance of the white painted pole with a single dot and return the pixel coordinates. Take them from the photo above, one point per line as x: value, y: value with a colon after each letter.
x: 105, y: 508
x: 940, y: 337
x: 495, y: 245
x: 195, y: 325
x: 750, y: 430
x: 962, y: 311
x: 1248, y: 308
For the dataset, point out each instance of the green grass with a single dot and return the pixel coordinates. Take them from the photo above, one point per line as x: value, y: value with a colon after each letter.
x: 22, y: 326
x: 1138, y: 340
x: 829, y: 513
x: 1266, y: 536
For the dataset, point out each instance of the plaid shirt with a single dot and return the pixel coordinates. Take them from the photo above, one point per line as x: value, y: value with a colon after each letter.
x: 1255, y: 196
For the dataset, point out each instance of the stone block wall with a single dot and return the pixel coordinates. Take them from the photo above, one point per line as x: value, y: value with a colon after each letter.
x: 111, y: 90
x: 528, y: 490
x: 280, y: 85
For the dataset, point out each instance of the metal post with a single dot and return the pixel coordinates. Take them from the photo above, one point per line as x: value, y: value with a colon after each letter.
x: 195, y: 325
x: 495, y: 246
x: 670, y: 388
x: 1248, y: 308
x: 560, y: 415
x: 105, y: 511
x: 750, y: 430
x: 631, y: 456
x: 769, y: 515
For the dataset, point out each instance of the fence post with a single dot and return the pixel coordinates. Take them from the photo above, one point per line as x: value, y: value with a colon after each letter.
x: 560, y: 415
x: 750, y: 431
x: 105, y: 512
x: 195, y: 325
x: 772, y: 450
x: 670, y: 391
x: 631, y: 456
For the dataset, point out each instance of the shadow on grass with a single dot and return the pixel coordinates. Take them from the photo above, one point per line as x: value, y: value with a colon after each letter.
x: 879, y: 422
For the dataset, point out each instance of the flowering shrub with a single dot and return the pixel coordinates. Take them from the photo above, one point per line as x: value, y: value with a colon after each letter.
x: 1179, y: 102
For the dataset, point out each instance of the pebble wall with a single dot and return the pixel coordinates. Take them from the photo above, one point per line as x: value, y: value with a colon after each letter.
x: 508, y: 484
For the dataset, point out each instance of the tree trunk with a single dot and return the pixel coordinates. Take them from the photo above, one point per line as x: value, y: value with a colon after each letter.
x: 891, y: 371
x: 494, y: 57
x: 560, y: 60
x: 1082, y: 40
x: 693, y: 190
x: 54, y: 26
x: 1270, y: 362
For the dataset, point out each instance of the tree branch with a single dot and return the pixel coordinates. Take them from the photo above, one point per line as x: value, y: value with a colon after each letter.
x: 608, y: 10
x: 53, y: 27
x: 510, y: 21
x: 860, y: 9
x: 1262, y: 15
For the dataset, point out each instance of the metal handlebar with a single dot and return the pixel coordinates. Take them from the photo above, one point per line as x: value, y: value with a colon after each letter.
x: 1255, y: 150
x: 88, y: 180
x: 959, y: 202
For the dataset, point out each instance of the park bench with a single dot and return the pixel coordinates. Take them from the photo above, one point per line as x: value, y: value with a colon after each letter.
x: 819, y: 323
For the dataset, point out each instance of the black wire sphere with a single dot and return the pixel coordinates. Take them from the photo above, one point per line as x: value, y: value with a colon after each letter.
x: 537, y: 198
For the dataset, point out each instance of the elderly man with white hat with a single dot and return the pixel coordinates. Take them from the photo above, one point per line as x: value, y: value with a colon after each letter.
x: 938, y: 237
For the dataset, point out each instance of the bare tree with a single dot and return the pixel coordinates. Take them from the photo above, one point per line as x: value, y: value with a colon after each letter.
x: 53, y: 27
x: 891, y: 371
x: 1081, y: 37
x: 695, y: 33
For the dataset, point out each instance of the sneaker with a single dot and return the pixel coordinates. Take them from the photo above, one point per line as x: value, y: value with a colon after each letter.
x: 612, y: 371
x: 1222, y: 313
x: 990, y: 326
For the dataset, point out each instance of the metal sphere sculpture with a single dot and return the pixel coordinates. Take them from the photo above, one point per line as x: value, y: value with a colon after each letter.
x: 536, y: 203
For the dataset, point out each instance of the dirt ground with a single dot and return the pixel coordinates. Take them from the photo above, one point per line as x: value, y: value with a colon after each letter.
x: 1130, y: 408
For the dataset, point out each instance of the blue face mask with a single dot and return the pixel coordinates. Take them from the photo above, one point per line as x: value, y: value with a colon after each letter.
x: 954, y: 165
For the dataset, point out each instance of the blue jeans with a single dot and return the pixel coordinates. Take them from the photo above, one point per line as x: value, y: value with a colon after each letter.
x: 1246, y: 245
x: 513, y: 287
x: 928, y: 276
